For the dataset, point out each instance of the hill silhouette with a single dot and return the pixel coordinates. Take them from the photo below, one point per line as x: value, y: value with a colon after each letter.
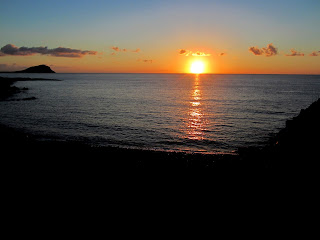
x: 37, y: 69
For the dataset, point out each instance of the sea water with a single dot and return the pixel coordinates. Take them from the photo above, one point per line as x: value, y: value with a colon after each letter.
x: 170, y: 112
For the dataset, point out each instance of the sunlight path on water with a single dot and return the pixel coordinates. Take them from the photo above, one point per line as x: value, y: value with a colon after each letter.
x: 196, y: 122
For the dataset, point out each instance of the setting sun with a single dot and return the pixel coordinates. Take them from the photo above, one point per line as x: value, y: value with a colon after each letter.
x: 197, y: 67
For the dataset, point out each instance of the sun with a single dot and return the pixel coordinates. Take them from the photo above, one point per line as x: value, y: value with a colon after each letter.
x: 197, y: 67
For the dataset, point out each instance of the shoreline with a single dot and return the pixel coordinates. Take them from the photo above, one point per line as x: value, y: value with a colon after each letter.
x: 111, y: 157
x: 7, y: 89
x: 293, y: 148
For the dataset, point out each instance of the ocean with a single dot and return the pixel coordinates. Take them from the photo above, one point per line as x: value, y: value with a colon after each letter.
x: 208, y: 113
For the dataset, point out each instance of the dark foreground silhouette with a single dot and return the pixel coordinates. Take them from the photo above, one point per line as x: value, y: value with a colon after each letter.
x: 6, y: 88
x: 296, y: 148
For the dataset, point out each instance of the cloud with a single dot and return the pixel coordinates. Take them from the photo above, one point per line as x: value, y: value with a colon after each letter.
x: 201, y: 54
x: 117, y: 49
x: 294, y: 53
x: 268, y: 51
x: 13, y: 50
x: 187, y: 53
x: 256, y: 51
x: 315, y: 54
x: 183, y: 52
x: 145, y: 60
x: 68, y: 52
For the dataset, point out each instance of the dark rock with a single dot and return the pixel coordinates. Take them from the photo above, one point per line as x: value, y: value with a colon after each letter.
x: 6, y: 88
x: 37, y: 69
x: 296, y: 147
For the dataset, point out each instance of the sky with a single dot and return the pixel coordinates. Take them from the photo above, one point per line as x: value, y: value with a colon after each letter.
x: 228, y: 36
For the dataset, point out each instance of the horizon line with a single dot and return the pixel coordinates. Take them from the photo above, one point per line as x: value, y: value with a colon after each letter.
x: 172, y: 73
x: 189, y: 73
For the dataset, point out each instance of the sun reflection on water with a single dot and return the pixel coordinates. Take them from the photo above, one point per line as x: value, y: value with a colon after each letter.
x: 196, y: 122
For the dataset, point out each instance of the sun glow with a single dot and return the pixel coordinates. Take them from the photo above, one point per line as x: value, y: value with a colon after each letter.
x: 197, y: 67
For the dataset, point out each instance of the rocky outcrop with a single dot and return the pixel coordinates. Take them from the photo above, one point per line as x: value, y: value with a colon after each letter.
x: 6, y: 88
x: 301, y: 136
x: 296, y: 148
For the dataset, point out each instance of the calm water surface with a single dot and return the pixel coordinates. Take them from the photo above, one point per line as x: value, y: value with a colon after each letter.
x: 173, y: 112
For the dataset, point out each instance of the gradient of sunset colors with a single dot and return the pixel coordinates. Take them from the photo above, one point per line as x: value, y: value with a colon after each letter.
x: 231, y: 36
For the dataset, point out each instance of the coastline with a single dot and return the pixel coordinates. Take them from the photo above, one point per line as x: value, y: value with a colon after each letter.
x: 294, y: 148
x: 286, y: 151
x: 22, y: 148
x: 110, y: 157
x: 8, y: 90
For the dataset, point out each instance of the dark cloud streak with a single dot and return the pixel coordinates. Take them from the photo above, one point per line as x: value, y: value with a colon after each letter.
x: 117, y: 49
x: 145, y: 60
x: 13, y: 50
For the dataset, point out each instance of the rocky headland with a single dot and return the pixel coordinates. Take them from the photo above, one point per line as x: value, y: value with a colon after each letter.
x: 6, y: 83
x: 37, y: 69
x: 295, y: 148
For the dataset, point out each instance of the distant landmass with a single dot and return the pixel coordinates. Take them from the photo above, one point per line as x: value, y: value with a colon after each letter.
x: 37, y: 69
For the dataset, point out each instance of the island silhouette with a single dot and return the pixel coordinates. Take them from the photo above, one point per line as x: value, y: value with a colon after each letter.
x: 37, y: 69
x: 34, y: 69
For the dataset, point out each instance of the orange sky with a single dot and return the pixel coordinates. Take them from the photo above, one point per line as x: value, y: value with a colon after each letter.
x: 162, y: 36
x: 171, y: 62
